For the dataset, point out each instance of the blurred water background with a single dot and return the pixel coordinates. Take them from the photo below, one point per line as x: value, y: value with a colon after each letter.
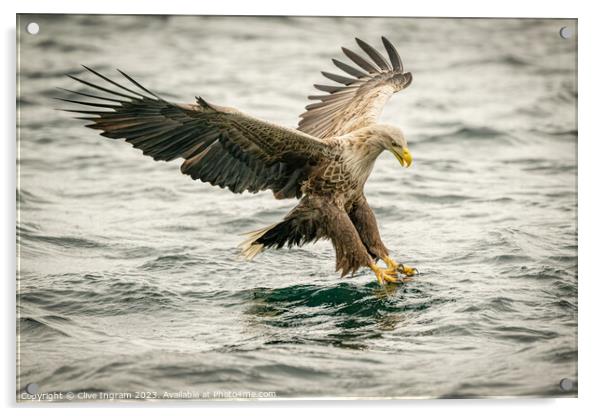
x: 128, y: 272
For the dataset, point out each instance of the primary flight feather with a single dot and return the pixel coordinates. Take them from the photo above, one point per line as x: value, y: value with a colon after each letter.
x: 325, y: 162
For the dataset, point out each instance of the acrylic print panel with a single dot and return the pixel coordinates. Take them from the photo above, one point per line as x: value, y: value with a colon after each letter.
x: 131, y: 284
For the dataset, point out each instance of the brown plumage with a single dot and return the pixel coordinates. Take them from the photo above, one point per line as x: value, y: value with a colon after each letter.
x: 326, y: 162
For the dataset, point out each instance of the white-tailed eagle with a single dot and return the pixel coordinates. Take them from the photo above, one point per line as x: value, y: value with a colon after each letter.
x: 324, y: 163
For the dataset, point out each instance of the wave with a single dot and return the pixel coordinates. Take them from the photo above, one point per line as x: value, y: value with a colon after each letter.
x: 62, y: 73
x: 29, y: 199
x: 33, y: 237
x: 100, y: 296
x: 66, y: 47
x: 173, y: 262
x: 43, y: 326
x: 507, y: 59
x: 522, y: 334
x: 465, y: 133
x: 439, y: 199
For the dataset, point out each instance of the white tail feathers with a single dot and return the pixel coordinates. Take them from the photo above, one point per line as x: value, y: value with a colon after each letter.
x: 250, y: 248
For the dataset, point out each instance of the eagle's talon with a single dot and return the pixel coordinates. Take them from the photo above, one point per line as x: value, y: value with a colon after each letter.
x: 390, y: 279
x: 391, y: 273
x: 394, y: 268
x: 407, y: 270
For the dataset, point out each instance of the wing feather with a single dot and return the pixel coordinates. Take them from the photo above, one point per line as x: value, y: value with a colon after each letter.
x: 374, y: 54
x: 393, y: 55
x: 360, y: 101
x: 338, y: 78
x: 349, y: 69
x: 360, y: 61
x: 219, y: 145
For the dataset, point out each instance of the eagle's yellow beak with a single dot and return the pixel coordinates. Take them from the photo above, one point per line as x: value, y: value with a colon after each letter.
x: 404, y: 157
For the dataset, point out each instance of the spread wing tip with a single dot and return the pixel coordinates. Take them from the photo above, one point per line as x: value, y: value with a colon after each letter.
x: 393, y: 54
x: 374, y: 55
x: 120, y: 94
x: 376, y: 78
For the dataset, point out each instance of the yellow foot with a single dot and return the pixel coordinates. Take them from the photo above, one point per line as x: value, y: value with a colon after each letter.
x: 392, y: 265
x: 381, y: 274
x: 407, y: 270
x: 386, y: 275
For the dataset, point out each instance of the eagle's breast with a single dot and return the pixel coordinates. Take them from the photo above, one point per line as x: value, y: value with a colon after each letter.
x: 342, y: 177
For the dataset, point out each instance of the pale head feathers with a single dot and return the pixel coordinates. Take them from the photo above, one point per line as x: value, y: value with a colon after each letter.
x: 362, y: 147
x: 369, y: 142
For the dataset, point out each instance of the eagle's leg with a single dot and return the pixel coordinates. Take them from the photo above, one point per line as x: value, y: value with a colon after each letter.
x: 365, y: 222
x: 350, y: 251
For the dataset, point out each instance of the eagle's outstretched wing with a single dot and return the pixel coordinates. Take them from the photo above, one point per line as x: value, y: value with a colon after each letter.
x: 220, y: 145
x: 359, y: 100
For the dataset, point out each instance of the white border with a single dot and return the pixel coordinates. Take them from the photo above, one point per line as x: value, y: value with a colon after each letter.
x: 589, y: 190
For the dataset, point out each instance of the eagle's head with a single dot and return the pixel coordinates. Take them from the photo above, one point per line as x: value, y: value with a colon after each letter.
x: 364, y: 145
x: 391, y: 138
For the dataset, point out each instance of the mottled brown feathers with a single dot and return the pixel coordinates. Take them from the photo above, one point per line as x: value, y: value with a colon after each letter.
x: 220, y: 145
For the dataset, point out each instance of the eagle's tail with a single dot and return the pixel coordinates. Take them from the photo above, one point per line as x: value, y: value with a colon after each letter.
x: 293, y: 230
x: 251, y: 247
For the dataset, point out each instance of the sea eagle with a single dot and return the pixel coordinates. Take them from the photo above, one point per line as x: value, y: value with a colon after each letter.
x: 325, y: 162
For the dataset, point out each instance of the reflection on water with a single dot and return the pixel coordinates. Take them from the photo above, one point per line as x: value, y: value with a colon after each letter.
x: 342, y: 315
x: 129, y: 272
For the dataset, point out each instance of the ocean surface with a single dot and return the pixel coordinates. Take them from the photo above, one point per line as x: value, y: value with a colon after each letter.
x: 129, y: 279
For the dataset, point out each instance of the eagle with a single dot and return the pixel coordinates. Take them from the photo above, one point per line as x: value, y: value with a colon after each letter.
x: 324, y: 163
